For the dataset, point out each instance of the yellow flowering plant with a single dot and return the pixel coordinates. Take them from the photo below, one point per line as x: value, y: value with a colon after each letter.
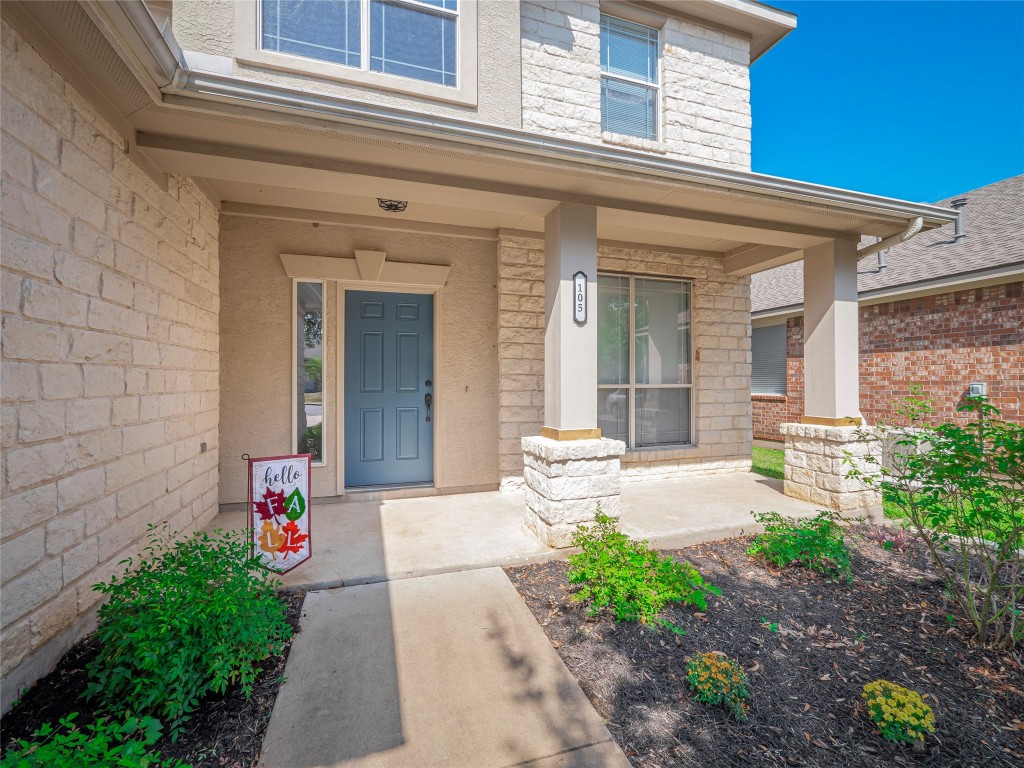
x: 899, y: 713
x: 717, y: 679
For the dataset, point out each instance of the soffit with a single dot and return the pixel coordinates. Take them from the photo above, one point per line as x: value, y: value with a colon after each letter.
x: 374, y: 152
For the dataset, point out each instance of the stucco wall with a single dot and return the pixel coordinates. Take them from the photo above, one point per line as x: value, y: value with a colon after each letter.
x: 109, y: 361
x: 705, y: 103
x: 256, y: 335
x: 721, y: 342
x: 208, y: 26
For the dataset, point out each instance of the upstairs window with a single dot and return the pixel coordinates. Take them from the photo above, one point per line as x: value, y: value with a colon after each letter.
x: 417, y: 39
x: 629, y: 78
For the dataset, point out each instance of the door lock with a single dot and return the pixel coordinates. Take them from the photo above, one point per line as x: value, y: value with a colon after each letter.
x: 428, y: 400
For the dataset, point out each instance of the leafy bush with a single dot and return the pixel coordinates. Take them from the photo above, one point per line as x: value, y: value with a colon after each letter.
x: 314, y: 370
x: 615, y: 572
x: 104, y: 744
x: 716, y: 680
x: 312, y: 442
x: 961, y: 488
x: 899, y: 713
x: 196, y: 614
x: 816, y: 543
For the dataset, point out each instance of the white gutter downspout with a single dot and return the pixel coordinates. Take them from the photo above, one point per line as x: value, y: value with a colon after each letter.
x: 902, y: 237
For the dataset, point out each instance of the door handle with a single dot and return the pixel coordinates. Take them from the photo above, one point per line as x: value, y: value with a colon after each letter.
x: 428, y: 400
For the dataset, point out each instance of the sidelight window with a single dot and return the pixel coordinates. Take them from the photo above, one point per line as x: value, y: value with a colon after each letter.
x: 308, y: 361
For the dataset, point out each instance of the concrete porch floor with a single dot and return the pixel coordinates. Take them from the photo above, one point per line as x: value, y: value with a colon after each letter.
x: 372, y: 541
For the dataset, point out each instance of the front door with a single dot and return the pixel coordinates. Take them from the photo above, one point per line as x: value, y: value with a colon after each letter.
x: 389, y: 388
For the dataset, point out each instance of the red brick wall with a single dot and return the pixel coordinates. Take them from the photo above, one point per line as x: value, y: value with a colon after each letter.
x: 942, y: 342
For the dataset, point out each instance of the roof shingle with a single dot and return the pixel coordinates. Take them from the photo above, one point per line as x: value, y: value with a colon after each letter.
x: 994, y: 229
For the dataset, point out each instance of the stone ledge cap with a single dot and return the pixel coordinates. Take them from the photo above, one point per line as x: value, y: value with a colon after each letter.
x: 832, y: 434
x: 568, y: 450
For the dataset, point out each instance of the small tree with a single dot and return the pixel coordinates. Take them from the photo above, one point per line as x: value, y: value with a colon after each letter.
x: 961, y: 487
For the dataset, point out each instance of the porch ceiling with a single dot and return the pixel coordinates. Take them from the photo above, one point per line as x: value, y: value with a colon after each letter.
x: 474, y: 189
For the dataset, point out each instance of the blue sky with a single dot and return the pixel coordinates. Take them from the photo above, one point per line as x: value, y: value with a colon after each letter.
x: 914, y: 100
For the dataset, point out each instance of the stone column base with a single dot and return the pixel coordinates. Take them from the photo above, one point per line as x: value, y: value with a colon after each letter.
x: 815, y: 468
x: 565, y: 483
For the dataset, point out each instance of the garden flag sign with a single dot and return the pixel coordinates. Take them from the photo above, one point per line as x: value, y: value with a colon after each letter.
x: 279, y: 511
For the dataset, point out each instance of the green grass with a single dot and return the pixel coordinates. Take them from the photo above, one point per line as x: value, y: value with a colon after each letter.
x: 768, y: 462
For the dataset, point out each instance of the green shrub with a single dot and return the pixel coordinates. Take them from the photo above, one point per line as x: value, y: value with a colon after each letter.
x: 196, y: 614
x: 627, y: 577
x: 816, y: 543
x: 961, y: 489
x: 314, y: 370
x: 899, y: 713
x: 716, y: 679
x: 104, y: 744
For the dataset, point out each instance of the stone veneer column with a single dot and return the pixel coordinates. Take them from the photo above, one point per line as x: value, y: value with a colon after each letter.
x: 569, y: 469
x: 816, y: 468
x: 565, y: 483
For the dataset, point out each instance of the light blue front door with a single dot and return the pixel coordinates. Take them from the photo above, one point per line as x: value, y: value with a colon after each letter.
x: 389, y: 388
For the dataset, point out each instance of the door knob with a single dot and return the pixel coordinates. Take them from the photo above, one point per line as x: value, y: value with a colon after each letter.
x: 428, y: 400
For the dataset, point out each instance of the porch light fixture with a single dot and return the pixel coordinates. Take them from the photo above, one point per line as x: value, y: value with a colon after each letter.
x: 392, y: 206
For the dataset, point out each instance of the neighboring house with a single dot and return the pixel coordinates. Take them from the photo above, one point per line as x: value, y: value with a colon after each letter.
x: 504, y: 229
x: 944, y: 310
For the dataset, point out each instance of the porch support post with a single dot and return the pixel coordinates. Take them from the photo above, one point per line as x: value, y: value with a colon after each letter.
x: 830, y: 429
x: 831, y: 379
x: 570, y: 348
x: 569, y: 470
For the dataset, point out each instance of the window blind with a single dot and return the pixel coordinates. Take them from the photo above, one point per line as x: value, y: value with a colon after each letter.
x: 768, y: 347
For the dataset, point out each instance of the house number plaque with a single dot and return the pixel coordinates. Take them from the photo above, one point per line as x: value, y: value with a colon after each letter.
x: 579, y: 298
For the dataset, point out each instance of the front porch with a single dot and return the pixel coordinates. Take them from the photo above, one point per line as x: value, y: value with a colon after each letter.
x: 360, y: 542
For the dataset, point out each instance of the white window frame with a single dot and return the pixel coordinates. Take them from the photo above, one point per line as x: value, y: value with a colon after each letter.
x: 295, y: 368
x: 632, y: 386
x: 636, y: 81
x: 248, y: 51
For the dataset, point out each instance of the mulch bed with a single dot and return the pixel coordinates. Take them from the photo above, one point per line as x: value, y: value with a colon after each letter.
x: 226, y: 732
x: 891, y: 622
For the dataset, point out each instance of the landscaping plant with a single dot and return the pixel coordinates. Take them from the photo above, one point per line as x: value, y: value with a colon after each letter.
x: 104, y: 744
x: 816, y: 543
x: 899, y: 713
x: 629, y: 578
x: 194, y: 615
x: 961, y: 488
x: 715, y: 679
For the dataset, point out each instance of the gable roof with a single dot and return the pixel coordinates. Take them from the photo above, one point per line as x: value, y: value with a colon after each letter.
x: 994, y: 229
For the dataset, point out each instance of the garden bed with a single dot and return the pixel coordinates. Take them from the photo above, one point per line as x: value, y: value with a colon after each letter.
x: 226, y: 732
x: 809, y: 646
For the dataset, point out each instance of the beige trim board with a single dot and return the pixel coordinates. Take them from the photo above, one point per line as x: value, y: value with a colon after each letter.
x: 570, y: 434
x: 366, y: 267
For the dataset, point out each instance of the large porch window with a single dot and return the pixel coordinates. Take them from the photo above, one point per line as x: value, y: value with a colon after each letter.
x: 308, y: 364
x: 644, y: 366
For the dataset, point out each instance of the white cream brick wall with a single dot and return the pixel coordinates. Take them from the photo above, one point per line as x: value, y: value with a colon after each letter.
x: 109, y: 360
x: 816, y: 468
x: 705, y: 102
x: 721, y: 338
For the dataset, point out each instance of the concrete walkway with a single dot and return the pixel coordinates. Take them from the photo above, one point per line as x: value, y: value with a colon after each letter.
x: 447, y: 671
x: 371, y: 541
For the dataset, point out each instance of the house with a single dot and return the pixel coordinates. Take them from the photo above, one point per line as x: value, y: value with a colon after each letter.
x: 411, y: 238
x: 944, y: 310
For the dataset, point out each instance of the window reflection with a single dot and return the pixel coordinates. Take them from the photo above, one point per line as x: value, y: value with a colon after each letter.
x: 309, y: 306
